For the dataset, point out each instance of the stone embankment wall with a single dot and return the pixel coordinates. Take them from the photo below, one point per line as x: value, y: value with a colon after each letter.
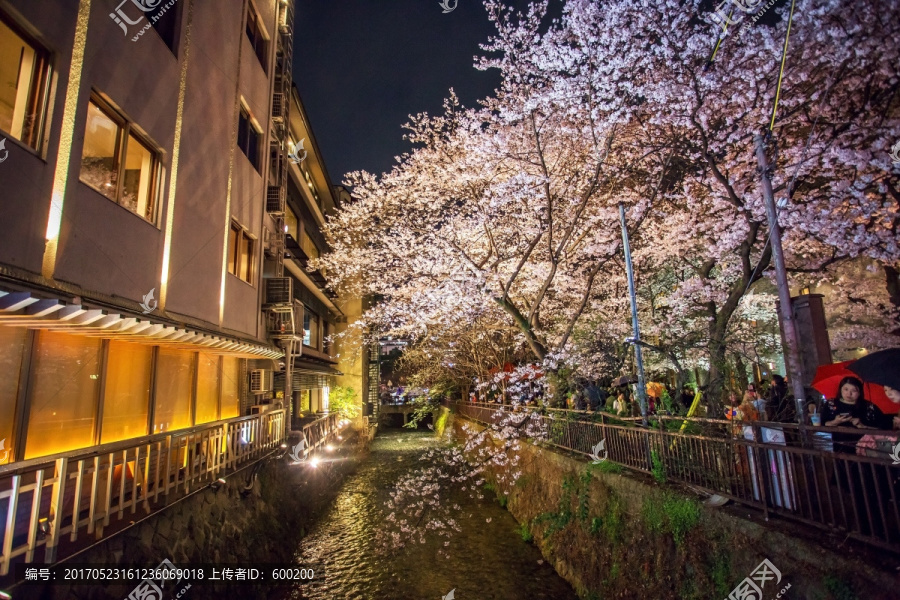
x: 623, y: 535
x: 230, y: 525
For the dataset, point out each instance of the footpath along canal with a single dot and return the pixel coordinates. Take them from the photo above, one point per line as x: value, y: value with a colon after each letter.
x: 487, y: 559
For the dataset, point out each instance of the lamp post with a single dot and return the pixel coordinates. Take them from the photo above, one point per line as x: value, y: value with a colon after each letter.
x: 636, y: 340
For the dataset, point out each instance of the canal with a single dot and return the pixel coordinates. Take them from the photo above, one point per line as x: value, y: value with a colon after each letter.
x: 486, y: 559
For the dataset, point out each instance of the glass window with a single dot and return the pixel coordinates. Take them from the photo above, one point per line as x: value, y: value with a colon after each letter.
x: 65, y: 387
x: 126, y: 395
x: 249, y: 138
x: 292, y: 223
x: 240, y: 253
x: 98, y: 158
x: 166, y: 25
x: 307, y: 339
x: 314, y: 331
x: 233, y: 238
x: 246, y: 252
x: 24, y: 75
x: 308, y: 245
x: 207, y: 389
x: 116, y: 163
x: 12, y: 345
x: 257, y: 37
x: 137, y: 180
x: 304, y: 401
x: 231, y: 387
x: 174, y: 386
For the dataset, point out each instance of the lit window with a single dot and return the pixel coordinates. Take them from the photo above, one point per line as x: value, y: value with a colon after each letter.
x: 310, y: 328
x: 241, y: 247
x: 126, y: 393
x: 24, y: 84
x: 308, y: 245
x: 257, y: 36
x: 64, y: 390
x: 207, y: 389
x: 12, y: 344
x: 291, y: 222
x: 231, y: 388
x: 174, y: 384
x: 117, y: 163
x: 249, y: 137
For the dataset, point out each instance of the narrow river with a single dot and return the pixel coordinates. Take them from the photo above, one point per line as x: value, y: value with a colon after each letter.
x: 487, y: 559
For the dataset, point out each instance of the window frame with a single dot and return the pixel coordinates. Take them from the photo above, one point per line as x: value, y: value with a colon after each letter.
x: 39, y: 94
x: 176, y: 27
x: 240, y: 234
x: 127, y: 129
x: 259, y: 39
x: 251, y: 129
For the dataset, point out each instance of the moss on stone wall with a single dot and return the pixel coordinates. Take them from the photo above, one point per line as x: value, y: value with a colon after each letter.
x: 617, y: 535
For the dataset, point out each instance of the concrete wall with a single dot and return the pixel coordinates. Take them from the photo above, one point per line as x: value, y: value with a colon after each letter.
x: 103, y: 247
x: 614, y: 536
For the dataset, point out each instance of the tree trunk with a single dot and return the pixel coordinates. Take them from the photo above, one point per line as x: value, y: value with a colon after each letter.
x: 716, y: 367
x: 892, y: 282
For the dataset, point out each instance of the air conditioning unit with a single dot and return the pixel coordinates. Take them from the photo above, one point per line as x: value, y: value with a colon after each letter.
x: 279, y: 290
x: 261, y: 381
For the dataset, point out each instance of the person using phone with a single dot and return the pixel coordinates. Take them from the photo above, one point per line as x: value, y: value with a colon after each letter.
x: 850, y: 409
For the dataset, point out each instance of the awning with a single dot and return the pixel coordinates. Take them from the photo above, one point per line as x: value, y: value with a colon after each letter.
x: 312, y: 375
x: 314, y: 368
x: 22, y: 309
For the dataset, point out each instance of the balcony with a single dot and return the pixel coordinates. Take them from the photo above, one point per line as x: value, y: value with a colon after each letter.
x: 302, y: 258
x: 68, y: 501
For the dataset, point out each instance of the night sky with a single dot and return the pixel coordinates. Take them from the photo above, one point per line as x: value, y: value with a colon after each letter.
x: 363, y: 66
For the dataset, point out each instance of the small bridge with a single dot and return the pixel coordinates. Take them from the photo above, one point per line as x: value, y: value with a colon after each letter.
x: 395, y: 409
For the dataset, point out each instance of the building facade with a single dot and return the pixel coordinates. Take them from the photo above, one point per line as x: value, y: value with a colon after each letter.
x: 147, y: 196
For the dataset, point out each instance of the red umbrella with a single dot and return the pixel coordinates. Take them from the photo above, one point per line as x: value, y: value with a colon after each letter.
x: 828, y: 378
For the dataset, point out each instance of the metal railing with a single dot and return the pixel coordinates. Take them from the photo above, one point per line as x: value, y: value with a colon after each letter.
x: 779, y: 468
x: 68, y: 501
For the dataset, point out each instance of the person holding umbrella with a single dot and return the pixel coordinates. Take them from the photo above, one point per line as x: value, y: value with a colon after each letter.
x: 882, y: 368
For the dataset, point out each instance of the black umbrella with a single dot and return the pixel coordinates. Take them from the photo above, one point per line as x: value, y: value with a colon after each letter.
x: 881, y: 367
x: 624, y: 380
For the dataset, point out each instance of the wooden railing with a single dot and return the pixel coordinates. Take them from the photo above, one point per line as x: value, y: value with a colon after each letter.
x: 65, y: 502
x: 799, y: 477
x: 320, y: 431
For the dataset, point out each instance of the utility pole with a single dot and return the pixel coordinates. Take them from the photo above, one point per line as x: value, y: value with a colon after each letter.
x: 791, y: 339
x: 638, y: 355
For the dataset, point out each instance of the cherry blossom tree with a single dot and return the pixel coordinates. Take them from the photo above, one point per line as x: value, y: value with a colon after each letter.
x: 508, y: 212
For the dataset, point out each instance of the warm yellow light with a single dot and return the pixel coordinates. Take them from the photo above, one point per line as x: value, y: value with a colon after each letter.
x: 67, y: 133
x: 330, y: 448
x: 314, y: 462
x: 176, y: 154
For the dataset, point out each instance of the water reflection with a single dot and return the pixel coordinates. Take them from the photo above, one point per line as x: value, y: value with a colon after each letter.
x: 487, y: 559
